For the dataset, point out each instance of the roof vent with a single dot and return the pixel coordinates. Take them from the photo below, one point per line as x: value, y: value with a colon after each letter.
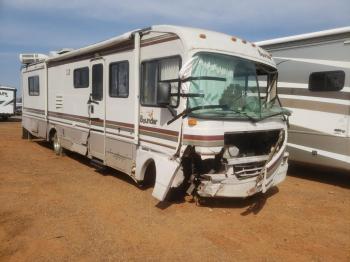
x: 64, y: 50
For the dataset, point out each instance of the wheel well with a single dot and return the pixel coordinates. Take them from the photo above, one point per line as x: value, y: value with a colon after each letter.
x: 149, y: 178
x: 51, y: 134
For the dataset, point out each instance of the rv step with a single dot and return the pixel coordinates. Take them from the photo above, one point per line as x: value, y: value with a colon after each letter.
x: 97, y: 163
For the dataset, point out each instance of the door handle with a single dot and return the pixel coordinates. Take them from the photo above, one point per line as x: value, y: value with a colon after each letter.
x: 91, y: 109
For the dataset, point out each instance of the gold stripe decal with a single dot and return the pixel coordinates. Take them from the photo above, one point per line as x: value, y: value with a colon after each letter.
x: 316, y: 106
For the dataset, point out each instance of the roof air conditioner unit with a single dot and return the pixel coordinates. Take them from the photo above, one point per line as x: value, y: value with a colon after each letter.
x: 31, y: 58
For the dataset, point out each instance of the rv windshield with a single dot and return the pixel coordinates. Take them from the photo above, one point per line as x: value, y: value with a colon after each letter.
x: 223, y: 86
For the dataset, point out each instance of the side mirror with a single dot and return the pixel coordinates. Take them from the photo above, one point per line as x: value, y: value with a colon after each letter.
x: 163, y: 94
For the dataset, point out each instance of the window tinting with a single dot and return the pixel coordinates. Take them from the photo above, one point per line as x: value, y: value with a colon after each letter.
x: 161, y: 70
x: 33, y: 85
x: 119, y: 79
x: 81, y: 77
x: 97, y: 82
x: 327, y: 81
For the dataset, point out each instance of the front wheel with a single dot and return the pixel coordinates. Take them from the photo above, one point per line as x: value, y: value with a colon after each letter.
x: 57, y: 147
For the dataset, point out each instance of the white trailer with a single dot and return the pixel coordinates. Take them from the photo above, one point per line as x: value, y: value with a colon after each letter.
x: 7, y: 101
x: 314, y: 82
x: 180, y: 105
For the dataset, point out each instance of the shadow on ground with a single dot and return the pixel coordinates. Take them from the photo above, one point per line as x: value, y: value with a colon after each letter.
x: 105, y: 171
x: 320, y: 174
x: 253, y: 204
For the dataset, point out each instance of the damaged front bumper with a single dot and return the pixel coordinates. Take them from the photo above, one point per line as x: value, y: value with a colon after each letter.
x: 229, y: 185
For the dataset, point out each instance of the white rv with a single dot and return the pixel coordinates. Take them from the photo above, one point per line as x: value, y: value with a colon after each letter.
x: 7, y: 101
x: 314, y: 82
x: 179, y: 103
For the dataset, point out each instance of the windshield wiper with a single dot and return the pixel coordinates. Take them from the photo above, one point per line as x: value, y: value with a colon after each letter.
x: 189, y: 110
x: 214, y: 78
x: 283, y: 112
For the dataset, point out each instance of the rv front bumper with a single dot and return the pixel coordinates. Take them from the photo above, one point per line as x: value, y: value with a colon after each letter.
x: 228, y: 185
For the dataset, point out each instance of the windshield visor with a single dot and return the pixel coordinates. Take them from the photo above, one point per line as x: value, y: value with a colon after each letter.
x: 232, y: 84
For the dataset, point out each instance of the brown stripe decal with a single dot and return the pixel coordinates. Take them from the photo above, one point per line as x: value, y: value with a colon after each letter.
x: 35, y: 111
x: 159, y: 133
x: 120, y: 126
x: 28, y: 115
x: 204, y: 138
x: 316, y: 106
x: 306, y: 92
x: 77, y: 118
x: 158, y: 40
x: 144, y: 130
x: 158, y: 130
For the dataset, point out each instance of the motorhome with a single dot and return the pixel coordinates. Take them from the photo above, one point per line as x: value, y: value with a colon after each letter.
x: 181, y: 104
x: 314, y: 82
x: 7, y: 101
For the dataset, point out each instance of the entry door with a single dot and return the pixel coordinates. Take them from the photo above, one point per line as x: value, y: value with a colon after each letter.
x: 96, y: 108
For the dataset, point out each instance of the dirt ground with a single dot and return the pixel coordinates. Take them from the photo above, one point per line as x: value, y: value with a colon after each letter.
x: 60, y: 208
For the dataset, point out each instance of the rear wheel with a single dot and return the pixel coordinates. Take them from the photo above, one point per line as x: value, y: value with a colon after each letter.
x: 26, y: 134
x: 57, y: 147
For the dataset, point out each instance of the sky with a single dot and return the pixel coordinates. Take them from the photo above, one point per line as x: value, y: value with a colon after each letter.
x: 40, y: 26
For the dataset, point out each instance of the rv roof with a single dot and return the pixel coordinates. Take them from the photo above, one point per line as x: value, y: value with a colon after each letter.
x: 304, y: 36
x: 192, y: 38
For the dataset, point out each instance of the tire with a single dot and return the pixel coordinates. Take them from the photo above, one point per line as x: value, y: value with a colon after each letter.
x: 26, y: 134
x: 150, y: 176
x: 56, y: 144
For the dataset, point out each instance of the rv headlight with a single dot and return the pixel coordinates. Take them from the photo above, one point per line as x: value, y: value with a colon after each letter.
x: 233, y: 151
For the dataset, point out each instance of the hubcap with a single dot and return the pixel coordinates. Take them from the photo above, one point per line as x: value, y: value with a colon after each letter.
x: 56, y: 144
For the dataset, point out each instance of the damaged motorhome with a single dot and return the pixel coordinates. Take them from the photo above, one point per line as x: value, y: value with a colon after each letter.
x: 197, y: 109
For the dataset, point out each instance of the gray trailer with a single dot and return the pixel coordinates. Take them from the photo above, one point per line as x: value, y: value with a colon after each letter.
x: 7, y: 101
x: 314, y: 82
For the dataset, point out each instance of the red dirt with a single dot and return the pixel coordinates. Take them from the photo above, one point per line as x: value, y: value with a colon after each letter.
x: 60, y: 208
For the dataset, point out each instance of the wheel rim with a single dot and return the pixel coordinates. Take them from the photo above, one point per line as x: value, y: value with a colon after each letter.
x: 56, y: 144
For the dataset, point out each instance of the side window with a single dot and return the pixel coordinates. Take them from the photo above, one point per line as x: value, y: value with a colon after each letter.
x: 119, y: 79
x: 149, y: 83
x: 97, y: 82
x: 160, y: 70
x: 33, y: 86
x: 327, y: 81
x: 81, y: 77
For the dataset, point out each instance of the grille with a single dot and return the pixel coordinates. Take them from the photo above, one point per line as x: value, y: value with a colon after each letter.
x: 248, y: 170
